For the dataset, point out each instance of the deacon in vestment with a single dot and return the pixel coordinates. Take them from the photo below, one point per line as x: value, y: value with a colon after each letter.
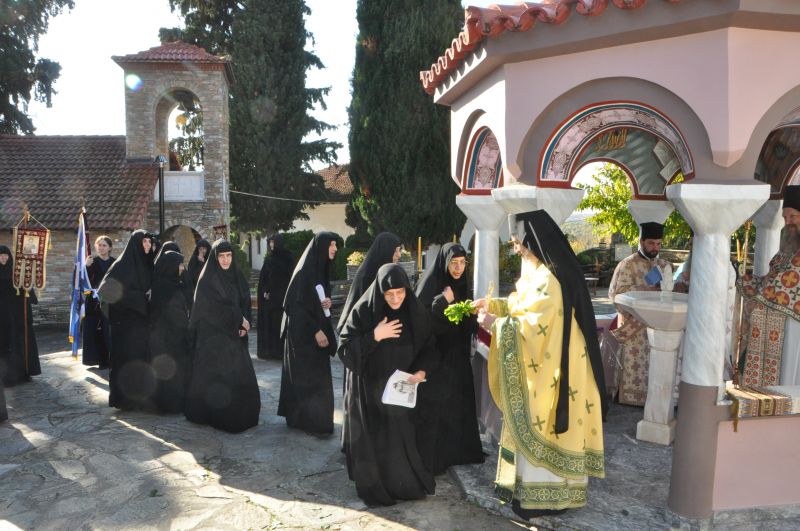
x: 306, y: 399
x: 272, y: 283
x: 125, y: 289
x: 385, y: 249
x: 17, y: 363
x: 771, y: 352
x: 223, y: 390
x: 546, y: 375
x: 446, y: 419
x: 169, y: 332
x: 634, y: 351
x: 388, y: 329
x: 96, y: 333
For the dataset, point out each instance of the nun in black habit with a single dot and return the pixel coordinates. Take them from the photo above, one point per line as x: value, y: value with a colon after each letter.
x: 16, y: 365
x: 169, y: 332
x: 306, y: 399
x: 96, y: 334
x: 126, y: 288
x: 223, y: 390
x: 388, y: 329
x: 186, y: 285
x: 446, y: 419
x: 385, y: 249
x: 201, y: 252
x: 272, y: 283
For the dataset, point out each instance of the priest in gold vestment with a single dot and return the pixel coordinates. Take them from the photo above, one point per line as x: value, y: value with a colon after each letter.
x: 634, y: 350
x: 771, y: 349
x: 546, y: 375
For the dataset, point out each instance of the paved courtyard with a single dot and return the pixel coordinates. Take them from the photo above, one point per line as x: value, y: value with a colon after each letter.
x: 68, y: 461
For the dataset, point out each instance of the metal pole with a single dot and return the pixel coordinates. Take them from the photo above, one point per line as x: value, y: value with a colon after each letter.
x: 161, y: 159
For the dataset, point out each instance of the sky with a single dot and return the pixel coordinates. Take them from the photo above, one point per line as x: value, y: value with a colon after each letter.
x: 90, y: 99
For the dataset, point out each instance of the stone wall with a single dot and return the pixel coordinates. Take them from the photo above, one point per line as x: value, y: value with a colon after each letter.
x: 147, y: 109
x: 55, y: 299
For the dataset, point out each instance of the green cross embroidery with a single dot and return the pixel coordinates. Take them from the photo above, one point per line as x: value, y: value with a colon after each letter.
x: 589, y: 407
x: 535, y: 366
x: 539, y: 423
x: 555, y: 383
x: 541, y: 289
x: 542, y: 330
x: 554, y: 433
x: 572, y: 392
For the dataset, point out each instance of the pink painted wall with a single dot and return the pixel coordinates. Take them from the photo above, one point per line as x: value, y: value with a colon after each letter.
x: 759, y: 465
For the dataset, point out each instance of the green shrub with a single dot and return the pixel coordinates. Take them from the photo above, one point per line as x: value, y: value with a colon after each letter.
x: 296, y: 242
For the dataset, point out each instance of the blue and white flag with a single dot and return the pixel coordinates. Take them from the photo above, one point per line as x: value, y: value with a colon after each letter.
x: 80, y: 287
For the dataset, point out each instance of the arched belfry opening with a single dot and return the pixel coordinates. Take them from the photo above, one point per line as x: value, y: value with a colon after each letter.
x: 179, y: 129
x: 176, y: 107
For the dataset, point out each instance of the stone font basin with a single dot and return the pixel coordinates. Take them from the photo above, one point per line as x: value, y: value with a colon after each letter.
x: 656, y: 309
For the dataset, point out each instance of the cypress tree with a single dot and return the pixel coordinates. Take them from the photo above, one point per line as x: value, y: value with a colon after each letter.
x: 399, y: 139
x: 269, y: 103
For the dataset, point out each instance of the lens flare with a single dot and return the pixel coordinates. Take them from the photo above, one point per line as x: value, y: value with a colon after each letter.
x: 133, y: 82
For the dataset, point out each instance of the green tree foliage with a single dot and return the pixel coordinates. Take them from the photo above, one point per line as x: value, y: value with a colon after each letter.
x: 189, y: 146
x: 270, y: 103
x: 22, y: 75
x: 399, y: 139
x: 608, y: 196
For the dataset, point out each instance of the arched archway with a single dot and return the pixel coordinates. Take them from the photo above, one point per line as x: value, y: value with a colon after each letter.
x: 179, y: 129
x: 638, y: 138
x: 483, y: 170
x: 185, y: 236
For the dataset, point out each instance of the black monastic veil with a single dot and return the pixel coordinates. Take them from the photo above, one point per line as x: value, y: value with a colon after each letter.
x: 380, y: 252
x: 223, y: 391
x: 546, y: 241
x: 380, y: 440
x: 195, y: 266
x: 306, y: 399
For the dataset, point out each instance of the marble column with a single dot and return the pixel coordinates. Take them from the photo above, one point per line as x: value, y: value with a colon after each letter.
x: 487, y: 216
x: 645, y: 210
x: 560, y: 203
x: 714, y: 211
x: 768, y: 222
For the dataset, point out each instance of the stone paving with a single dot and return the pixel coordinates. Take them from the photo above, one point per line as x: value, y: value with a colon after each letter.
x: 68, y: 461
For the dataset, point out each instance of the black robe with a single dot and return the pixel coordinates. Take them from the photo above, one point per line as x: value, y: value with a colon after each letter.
x: 169, y: 334
x: 272, y: 283
x: 195, y: 266
x: 306, y: 399
x: 96, y: 333
x: 132, y: 383
x: 187, y: 288
x: 223, y: 390
x: 379, y: 440
x: 3, y: 409
x: 447, y: 422
x: 15, y: 367
x: 380, y: 252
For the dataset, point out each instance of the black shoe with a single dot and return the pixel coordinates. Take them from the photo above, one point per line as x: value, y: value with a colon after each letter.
x: 527, y: 514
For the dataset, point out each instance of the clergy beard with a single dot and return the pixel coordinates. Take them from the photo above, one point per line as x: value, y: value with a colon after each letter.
x: 790, y: 240
x: 651, y: 256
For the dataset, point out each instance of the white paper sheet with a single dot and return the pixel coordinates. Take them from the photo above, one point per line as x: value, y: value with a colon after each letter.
x: 321, y: 294
x: 399, y: 392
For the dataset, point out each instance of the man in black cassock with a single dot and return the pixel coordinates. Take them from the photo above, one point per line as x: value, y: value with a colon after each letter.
x: 272, y: 283
x: 388, y: 329
x: 306, y: 399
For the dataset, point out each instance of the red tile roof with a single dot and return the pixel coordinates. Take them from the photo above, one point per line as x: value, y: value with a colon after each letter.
x: 176, y: 52
x: 337, y: 179
x: 171, y: 52
x: 481, y: 23
x: 51, y: 174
